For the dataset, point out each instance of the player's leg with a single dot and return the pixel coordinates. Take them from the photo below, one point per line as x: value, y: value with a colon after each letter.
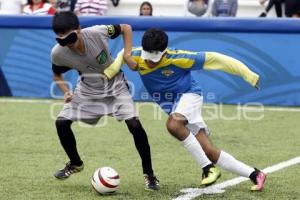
x: 68, y: 142
x: 125, y: 110
x: 69, y: 113
x: 176, y: 126
x: 141, y: 143
x: 188, y: 110
x: 229, y: 163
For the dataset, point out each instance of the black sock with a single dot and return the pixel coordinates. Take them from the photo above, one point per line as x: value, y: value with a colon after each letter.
x: 67, y: 140
x: 207, y: 167
x: 253, y: 175
x: 141, y: 144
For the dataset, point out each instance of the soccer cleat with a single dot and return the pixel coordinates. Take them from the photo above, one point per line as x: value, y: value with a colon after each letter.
x: 68, y: 171
x: 259, y: 181
x: 151, y: 182
x: 211, y: 176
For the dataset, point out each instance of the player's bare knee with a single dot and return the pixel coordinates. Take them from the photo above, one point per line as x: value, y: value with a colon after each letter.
x: 171, y: 126
x: 174, y: 126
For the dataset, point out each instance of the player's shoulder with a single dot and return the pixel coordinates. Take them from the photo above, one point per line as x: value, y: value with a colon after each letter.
x: 56, y: 51
x: 178, y: 52
x: 182, y: 54
x: 91, y: 28
x: 95, y: 29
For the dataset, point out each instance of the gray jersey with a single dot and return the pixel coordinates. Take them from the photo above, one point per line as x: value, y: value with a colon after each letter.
x: 92, y: 63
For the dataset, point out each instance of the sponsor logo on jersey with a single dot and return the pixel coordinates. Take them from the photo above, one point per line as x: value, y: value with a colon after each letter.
x: 102, y: 57
x: 167, y: 72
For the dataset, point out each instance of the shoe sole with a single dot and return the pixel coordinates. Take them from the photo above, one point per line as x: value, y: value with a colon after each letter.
x: 64, y: 178
x: 61, y: 178
x: 149, y: 189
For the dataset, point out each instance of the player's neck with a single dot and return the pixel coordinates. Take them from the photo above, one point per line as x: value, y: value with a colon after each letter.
x: 81, y: 47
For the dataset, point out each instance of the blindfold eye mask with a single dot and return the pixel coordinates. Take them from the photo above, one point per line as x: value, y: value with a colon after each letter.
x: 154, y: 56
x: 69, y: 39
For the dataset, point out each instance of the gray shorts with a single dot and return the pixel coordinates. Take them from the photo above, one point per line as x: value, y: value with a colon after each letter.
x: 90, y: 110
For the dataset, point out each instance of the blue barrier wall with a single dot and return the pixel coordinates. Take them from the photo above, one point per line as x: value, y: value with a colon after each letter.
x: 269, y: 47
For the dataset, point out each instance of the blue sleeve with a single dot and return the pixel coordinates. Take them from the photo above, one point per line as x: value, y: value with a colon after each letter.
x: 188, y: 60
x: 199, y: 59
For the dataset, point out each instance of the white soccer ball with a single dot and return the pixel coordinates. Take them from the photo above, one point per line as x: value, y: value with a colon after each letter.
x: 105, y: 180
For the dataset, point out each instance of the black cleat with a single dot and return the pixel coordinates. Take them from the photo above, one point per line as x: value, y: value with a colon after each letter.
x: 68, y: 171
x: 151, y: 182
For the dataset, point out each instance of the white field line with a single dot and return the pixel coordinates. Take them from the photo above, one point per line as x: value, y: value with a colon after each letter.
x: 248, y: 108
x: 261, y: 109
x: 191, y: 193
x: 194, y: 192
x: 5, y: 100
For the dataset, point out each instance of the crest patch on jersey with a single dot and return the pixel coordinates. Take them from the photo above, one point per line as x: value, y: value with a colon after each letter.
x: 110, y: 30
x: 102, y: 57
x: 167, y: 72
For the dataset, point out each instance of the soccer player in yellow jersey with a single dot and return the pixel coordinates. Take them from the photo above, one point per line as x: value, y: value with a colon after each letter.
x: 166, y: 74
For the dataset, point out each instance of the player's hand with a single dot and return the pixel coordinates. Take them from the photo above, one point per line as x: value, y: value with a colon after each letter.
x: 68, y: 97
x: 104, y: 77
x: 129, y: 61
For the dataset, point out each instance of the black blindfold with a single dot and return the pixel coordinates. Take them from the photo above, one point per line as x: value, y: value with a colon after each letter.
x: 69, y: 39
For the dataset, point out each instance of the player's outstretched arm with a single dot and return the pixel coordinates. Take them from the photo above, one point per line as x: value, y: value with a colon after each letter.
x: 114, y: 68
x: 126, y: 31
x: 217, y: 61
x: 125, y: 54
x: 132, y: 64
x: 127, y: 37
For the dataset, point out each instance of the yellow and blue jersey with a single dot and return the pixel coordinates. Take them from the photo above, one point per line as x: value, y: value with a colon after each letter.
x: 171, y: 77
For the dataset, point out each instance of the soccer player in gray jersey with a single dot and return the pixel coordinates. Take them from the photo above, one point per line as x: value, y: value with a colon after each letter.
x: 86, y: 50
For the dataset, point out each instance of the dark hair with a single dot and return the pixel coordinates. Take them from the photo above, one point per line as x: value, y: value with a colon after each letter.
x: 64, y: 22
x: 146, y: 3
x: 154, y: 40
